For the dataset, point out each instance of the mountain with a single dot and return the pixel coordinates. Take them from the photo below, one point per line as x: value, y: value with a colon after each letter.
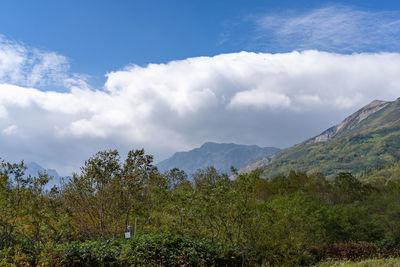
x: 33, y: 169
x: 369, y: 138
x: 381, y: 175
x: 221, y: 156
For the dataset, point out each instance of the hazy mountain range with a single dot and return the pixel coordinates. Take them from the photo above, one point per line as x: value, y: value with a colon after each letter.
x: 220, y: 156
x: 33, y: 169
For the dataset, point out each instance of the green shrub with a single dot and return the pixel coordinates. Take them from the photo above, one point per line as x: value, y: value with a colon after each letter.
x: 147, y: 249
x: 92, y: 253
x: 172, y: 250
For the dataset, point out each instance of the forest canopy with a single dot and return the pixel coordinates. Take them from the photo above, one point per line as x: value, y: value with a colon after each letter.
x: 205, y: 219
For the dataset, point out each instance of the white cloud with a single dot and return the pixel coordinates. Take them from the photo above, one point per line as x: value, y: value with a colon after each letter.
x: 256, y: 98
x: 333, y: 28
x: 3, y: 112
x: 26, y: 66
x: 259, y: 98
x: 10, y: 130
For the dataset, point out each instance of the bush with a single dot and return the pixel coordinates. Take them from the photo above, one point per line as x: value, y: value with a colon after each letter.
x: 147, y: 249
x: 90, y: 253
x: 172, y: 250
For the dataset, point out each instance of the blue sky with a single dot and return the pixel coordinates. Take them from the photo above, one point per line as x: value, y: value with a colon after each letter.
x: 77, y: 77
x: 101, y: 36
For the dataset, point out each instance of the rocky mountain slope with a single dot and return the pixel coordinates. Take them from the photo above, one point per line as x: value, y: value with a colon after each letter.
x: 369, y: 138
x: 221, y: 156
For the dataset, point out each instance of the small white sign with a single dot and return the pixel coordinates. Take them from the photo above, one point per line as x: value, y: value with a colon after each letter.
x: 127, y: 235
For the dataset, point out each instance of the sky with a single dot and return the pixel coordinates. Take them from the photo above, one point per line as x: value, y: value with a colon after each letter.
x: 77, y: 77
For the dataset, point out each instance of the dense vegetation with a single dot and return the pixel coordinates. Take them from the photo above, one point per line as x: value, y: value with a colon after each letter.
x: 367, y: 139
x: 298, y: 219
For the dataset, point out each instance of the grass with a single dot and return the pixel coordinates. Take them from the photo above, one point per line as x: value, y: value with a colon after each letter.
x: 365, y: 263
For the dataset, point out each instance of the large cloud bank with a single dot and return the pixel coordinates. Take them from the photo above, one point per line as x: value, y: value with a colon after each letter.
x: 254, y: 98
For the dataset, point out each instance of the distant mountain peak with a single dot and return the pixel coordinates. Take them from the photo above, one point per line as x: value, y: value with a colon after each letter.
x: 219, y: 155
x: 209, y: 144
x: 375, y: 103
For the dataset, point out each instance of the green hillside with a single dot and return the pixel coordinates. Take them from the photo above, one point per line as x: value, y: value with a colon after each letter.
x: 368, y: 139
x: 381, y: 175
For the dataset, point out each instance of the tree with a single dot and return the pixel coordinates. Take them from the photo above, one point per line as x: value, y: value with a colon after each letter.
x: 108, y: 192
x: 138, y: 173
x: 94, y: 197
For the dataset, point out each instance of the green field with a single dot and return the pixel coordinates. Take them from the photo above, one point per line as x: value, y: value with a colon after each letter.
x: 366, y: 263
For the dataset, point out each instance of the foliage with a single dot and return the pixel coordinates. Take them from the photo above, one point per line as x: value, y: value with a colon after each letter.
x: 91, y: 253
x: 208, y: 219
x: 30, y: 217
x: 147, y: 249
x: 381, y: 175
x: 156, y: 249
x: 108, y: 192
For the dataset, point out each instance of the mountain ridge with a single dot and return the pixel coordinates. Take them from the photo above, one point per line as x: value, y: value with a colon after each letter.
x: 350, y: 122
x: 367, y: 138
x: 219, y: 155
